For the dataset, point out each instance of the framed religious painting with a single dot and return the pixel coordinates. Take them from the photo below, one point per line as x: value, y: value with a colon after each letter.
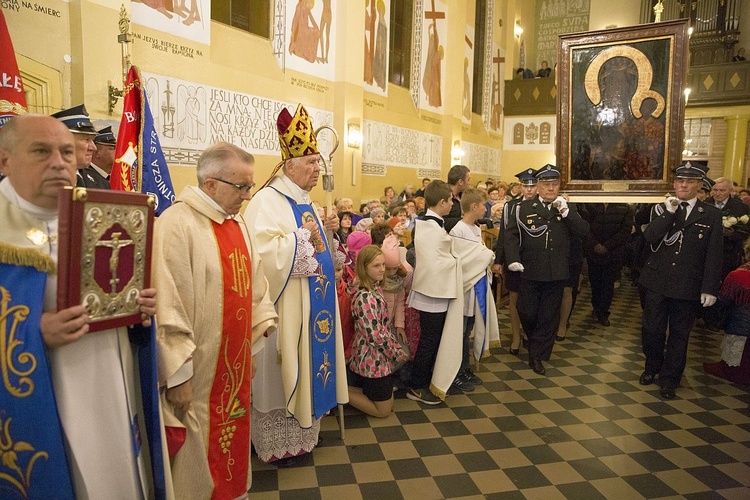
x: 621, y: 109
x: 104, y: 253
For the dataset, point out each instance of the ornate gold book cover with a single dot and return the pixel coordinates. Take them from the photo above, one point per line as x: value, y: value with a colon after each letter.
x: 104, y: 254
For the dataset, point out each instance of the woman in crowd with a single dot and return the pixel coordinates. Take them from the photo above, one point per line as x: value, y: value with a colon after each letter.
x: 345, y: 226
x: 735, y: 299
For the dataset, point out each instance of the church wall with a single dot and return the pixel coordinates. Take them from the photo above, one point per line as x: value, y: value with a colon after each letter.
x: 244, y: 63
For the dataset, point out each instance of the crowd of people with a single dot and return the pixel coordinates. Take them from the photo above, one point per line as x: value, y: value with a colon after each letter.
x: 268, y: 319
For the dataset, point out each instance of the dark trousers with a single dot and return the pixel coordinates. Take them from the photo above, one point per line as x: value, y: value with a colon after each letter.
x: 431, y: 331
x: 539, y: 310
x: 468, y: 327
x: 660, y: 313
x: 602, y: 279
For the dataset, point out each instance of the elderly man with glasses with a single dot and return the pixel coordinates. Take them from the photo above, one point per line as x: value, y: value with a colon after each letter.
x: 215, y: 312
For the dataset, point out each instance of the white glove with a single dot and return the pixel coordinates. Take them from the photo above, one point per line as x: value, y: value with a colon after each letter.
x: 562, y: 205
x: 707, y: 300
x: 671, y: 204
x: 515, y: 266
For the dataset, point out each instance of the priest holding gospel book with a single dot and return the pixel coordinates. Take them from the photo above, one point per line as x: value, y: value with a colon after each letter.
x: 99, y: 446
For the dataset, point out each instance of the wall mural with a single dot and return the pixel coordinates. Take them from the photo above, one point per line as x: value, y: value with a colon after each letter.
x: 189, y: 19
x: 468, y: 75
x: 434, y: 36
x: 310, y: 37
x: 190, y: 116
x: 497, y: 95
x: 385, y: 145
x: 530, y: 133
x: 377, y: 25
x: 557, y: 17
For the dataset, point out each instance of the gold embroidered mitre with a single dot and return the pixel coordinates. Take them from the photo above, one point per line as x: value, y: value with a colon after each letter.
x: 296, y: 134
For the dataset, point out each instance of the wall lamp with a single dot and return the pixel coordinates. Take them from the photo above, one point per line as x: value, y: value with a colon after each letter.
x: 353, y: 136
x: 518, y: 29
x: 457, y: 152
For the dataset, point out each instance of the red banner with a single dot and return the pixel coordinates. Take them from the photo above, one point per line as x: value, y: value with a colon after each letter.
x: 124, y: 170
x: 12, y: 97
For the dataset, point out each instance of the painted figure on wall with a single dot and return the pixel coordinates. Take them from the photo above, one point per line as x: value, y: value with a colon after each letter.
x: 381, y: 48
x: 467, y: 90
x: 370, y: 16
x: 433, y: 68
x: 191, y: 114
x: 305, y: 33
x: 170, y: 7
x: 325, y: 30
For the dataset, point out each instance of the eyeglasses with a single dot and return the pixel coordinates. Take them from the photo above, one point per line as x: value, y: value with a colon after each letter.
x: 242, y: 188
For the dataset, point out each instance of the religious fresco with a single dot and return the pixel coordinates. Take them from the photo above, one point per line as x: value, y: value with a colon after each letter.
x: 497, y: 90
x: 377, y: 25
x: 530, y: 133
x: 557, y: 17
x: 190, y: 116
x: 385, y: 145
x: 189, y: 19
x: 434, y: 37
x: 310, y: 38
x: 468, y: 74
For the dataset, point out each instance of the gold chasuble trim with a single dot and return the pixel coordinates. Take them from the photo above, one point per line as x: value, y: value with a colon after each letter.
x: 30, y: 257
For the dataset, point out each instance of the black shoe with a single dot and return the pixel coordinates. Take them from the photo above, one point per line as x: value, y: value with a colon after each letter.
x: 560, y: 338
x: 647, y: 378
x: 537, y: 366
x: 667, y: 392
x: 472, y: 378
x: 604, y: 320
x: 423, y: 396
x: 462, y: 385
x: 515, y: 351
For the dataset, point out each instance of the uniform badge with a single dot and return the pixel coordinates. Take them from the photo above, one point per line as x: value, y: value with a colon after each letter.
x: 533, y: 227
x: 700, y: 236
x: 36, y: 236
x: 528, y: 221
x: 559, y: 217
x: 700, y: 210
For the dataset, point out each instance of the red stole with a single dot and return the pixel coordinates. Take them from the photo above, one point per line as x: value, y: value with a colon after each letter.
x: 229, y: 403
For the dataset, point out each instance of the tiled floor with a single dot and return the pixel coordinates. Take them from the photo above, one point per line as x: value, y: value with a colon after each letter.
x: 586, y: 430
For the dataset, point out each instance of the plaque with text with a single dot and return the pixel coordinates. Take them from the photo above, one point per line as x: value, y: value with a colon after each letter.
x: 104, y: 254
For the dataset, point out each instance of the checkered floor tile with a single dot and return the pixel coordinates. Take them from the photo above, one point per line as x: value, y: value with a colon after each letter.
x: 585, y: 430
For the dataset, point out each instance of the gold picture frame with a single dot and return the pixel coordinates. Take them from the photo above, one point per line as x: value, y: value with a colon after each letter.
x: 621, y: 108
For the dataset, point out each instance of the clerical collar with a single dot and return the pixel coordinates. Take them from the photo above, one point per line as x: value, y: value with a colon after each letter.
x: 101, y: 172
x: 44, y: 214
x: 211, y: 202
x: 298, y: 194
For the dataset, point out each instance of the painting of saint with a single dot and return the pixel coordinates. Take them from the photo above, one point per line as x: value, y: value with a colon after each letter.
x: 186, y: 18
x: 620, y: 111
x: 377, y: 21
x: 379, y: 66
x: 309, y: 37
x: 305, y: 33
x: 431, y: 80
